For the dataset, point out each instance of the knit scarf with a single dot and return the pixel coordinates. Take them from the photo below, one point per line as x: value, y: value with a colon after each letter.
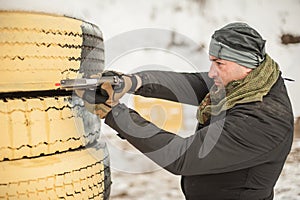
x: 252, y: 88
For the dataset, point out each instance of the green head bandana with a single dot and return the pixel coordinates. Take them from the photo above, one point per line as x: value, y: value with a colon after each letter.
x: 246, y: 59
x: 240, y: 43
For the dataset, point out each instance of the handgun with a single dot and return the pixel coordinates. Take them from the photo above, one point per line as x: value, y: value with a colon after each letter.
x: 89, y: 83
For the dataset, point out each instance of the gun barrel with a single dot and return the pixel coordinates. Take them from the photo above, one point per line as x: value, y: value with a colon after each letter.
x: 88, y: 83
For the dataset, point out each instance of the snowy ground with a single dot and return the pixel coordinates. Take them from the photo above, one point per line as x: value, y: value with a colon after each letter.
x: 288, y: 185
x: 161, y: 185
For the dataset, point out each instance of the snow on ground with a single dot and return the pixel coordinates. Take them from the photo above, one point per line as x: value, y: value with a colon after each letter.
x: 288, y: 185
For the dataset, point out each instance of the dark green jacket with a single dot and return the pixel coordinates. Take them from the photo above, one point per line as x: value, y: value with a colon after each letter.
x: 238, y: 155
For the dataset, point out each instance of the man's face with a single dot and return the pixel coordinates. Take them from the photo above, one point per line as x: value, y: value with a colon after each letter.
x: 224, y: 71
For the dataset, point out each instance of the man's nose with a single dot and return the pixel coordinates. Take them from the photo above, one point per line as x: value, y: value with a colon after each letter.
x: 212, y: 71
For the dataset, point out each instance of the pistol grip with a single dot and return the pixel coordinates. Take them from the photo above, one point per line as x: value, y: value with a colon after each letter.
x: 95, y: 97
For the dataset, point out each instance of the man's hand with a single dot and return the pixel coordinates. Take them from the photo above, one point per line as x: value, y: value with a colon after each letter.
x: 99, y: 101
x: 129, y: 85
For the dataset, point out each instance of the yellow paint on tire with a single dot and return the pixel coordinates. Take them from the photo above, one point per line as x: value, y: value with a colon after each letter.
x: 74, y: 174
x: 37, y: 50
x: 49, y: 146
x: 42, y: 126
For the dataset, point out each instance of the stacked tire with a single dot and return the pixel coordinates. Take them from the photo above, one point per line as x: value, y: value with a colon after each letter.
x: 49, y: 146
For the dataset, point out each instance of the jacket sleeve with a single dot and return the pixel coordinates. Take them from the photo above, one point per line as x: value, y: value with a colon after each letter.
x: 189, y: 88
x: 225, y: 145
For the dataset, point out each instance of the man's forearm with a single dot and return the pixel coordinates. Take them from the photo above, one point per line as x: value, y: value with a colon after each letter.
x: 189, y: 88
